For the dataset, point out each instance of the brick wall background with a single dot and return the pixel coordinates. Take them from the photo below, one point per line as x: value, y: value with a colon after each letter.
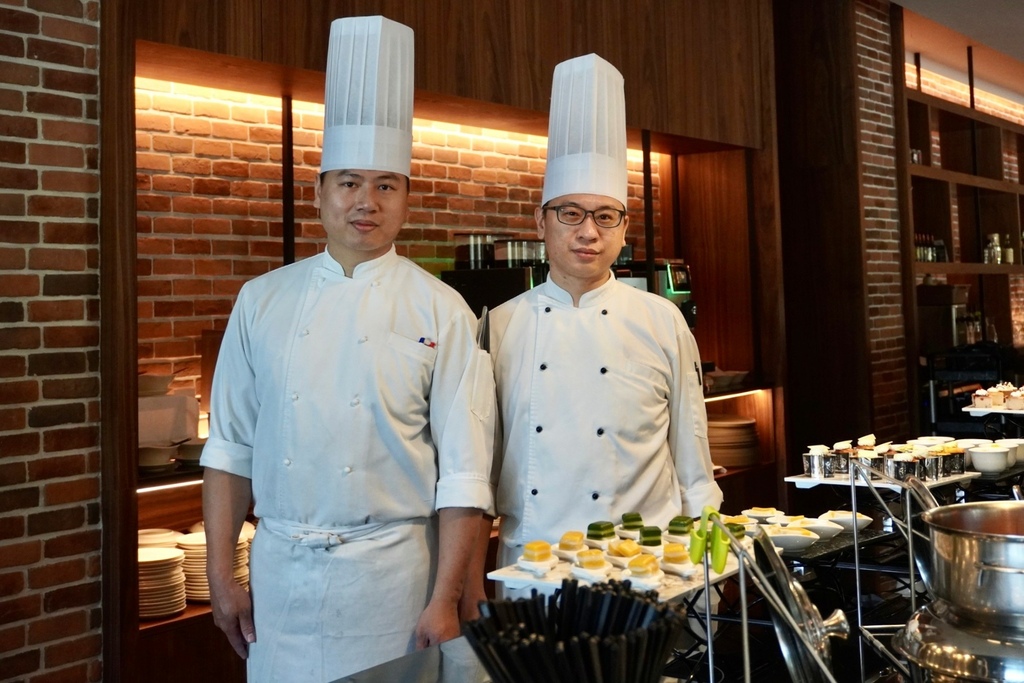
x: 209, y: 203
x: 49, y: 336
x: 887, y: 341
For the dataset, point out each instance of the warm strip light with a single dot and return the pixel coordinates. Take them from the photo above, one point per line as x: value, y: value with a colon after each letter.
x: 166, y: 487
x: 729, y: 396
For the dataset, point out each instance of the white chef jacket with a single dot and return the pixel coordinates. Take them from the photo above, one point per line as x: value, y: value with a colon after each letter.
x: 356, y: 400
x: 602, y: 410
x: 357, y: 406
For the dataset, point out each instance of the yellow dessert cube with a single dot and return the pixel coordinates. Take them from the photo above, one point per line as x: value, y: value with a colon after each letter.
x: 571, y: 540
x: 675, y: 553
x: 537, y: 551
x: 643, y: 566
x: 590, y: 559
x: 626, y: 547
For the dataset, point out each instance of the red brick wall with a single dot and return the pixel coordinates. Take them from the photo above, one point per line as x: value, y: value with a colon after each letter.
x: 49, y: 338
x: 209, y: 203
x: 887, y: 341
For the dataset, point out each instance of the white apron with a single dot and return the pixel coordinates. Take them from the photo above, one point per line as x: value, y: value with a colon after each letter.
x: 331, y: 602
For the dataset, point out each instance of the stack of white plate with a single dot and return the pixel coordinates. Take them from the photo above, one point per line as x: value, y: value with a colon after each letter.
x: 196, y: 585
x: 161, y: 582
x: 158, y: 538
x: 733, y: 440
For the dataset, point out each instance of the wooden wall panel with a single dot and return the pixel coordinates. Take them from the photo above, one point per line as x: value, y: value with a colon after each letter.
x: 715, y: 241
x: 829, y: 380
x: 692, y: 69
x: 230, y: 27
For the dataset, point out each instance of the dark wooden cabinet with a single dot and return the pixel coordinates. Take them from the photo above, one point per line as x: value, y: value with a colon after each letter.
x: 189, y: 647
x: 692, y: 69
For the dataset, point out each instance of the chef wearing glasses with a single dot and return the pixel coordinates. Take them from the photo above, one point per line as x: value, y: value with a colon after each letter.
x: 599, y: 384
x: 352, y: 405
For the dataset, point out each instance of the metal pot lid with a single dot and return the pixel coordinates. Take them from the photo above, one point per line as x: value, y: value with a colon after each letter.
x: 800, y: 662
x: 936, y: 640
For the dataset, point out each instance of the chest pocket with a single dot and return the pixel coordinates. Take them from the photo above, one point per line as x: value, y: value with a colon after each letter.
x: 405, y: 368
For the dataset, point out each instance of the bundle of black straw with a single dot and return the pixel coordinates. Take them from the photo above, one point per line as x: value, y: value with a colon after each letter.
x: 605, y: 633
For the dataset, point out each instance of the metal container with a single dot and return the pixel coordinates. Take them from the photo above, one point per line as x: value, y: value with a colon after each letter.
x: 901, y: 469
x: 820, y: 466
x: 842, y: 462
x: 977, y: 560
x: 929, y: 468
x: 942, y: 648
x: 952, y: 463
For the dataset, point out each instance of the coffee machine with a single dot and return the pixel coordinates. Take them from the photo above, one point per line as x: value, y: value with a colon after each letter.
x: 671, y: 280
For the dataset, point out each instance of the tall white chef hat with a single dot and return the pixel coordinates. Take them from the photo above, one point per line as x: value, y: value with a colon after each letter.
x: 369, y: 94
x: 586, y: 131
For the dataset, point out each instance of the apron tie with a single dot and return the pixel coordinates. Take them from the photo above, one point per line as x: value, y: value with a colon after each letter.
x: 323, y: 537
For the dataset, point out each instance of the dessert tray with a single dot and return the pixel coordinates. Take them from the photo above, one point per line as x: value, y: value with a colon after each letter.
x: 672, y: 585
x: 803, y: 481
x: 982, y: 412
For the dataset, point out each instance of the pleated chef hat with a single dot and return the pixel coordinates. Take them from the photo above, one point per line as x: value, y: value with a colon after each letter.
x: 586, y: 131
x: 368, y: 98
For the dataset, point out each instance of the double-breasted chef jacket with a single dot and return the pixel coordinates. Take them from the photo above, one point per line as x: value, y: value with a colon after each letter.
x: 358, y: 407
x: 602, y: 413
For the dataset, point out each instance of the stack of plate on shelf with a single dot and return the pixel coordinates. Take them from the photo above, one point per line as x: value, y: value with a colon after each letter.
x: 196, y: 585
x: 733, y: 440
x: 158, y: 538
x: 161, y: 582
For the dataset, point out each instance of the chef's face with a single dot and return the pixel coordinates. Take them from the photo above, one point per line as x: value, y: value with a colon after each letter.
x: 362, y: 212
x: 580, y: 255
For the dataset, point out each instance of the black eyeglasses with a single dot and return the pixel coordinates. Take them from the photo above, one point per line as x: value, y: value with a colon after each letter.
x: 605, y: 217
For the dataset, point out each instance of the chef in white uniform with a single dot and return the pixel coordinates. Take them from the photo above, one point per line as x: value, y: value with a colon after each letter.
x: 352, y: 406
x: 599, y: 384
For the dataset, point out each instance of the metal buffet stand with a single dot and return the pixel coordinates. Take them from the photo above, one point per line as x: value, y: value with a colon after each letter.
x: 871, y: 633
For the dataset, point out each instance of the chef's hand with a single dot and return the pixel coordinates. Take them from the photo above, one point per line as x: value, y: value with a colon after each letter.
x: 232, y: 613
x: 438, y: 623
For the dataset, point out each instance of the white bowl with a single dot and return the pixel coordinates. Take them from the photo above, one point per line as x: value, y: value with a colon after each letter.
x: 823, y: 528
x: 989, y: 459
x: 791, y: 539
x: 156, y: 456
x: 934, y: 439
x: 763, y: 514
x: 783, y: 520
x: 844, y: 518
x: 1016, y: 450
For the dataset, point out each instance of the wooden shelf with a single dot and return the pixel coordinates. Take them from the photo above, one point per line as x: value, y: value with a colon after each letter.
x: 192, y: 610
x: 946, y: 175
x: 928, y: 268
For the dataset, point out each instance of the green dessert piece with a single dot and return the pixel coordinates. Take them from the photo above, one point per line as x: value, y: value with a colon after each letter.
x: 600, y: 531
x: 650, y: 535
x: 680, y: 526
x: 632, y: 521
x: 736, y: 530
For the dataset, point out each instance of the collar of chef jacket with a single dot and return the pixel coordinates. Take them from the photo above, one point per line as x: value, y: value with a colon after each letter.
x: 366, y: 269
x: 591, y: 298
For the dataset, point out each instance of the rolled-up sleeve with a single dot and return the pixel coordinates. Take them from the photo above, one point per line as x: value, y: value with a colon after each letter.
x: 462, y: 410
x: 234, y: 405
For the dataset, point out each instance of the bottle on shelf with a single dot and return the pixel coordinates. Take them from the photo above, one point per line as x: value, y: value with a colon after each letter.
x: 993, y: 250
x: 1007, y: 250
